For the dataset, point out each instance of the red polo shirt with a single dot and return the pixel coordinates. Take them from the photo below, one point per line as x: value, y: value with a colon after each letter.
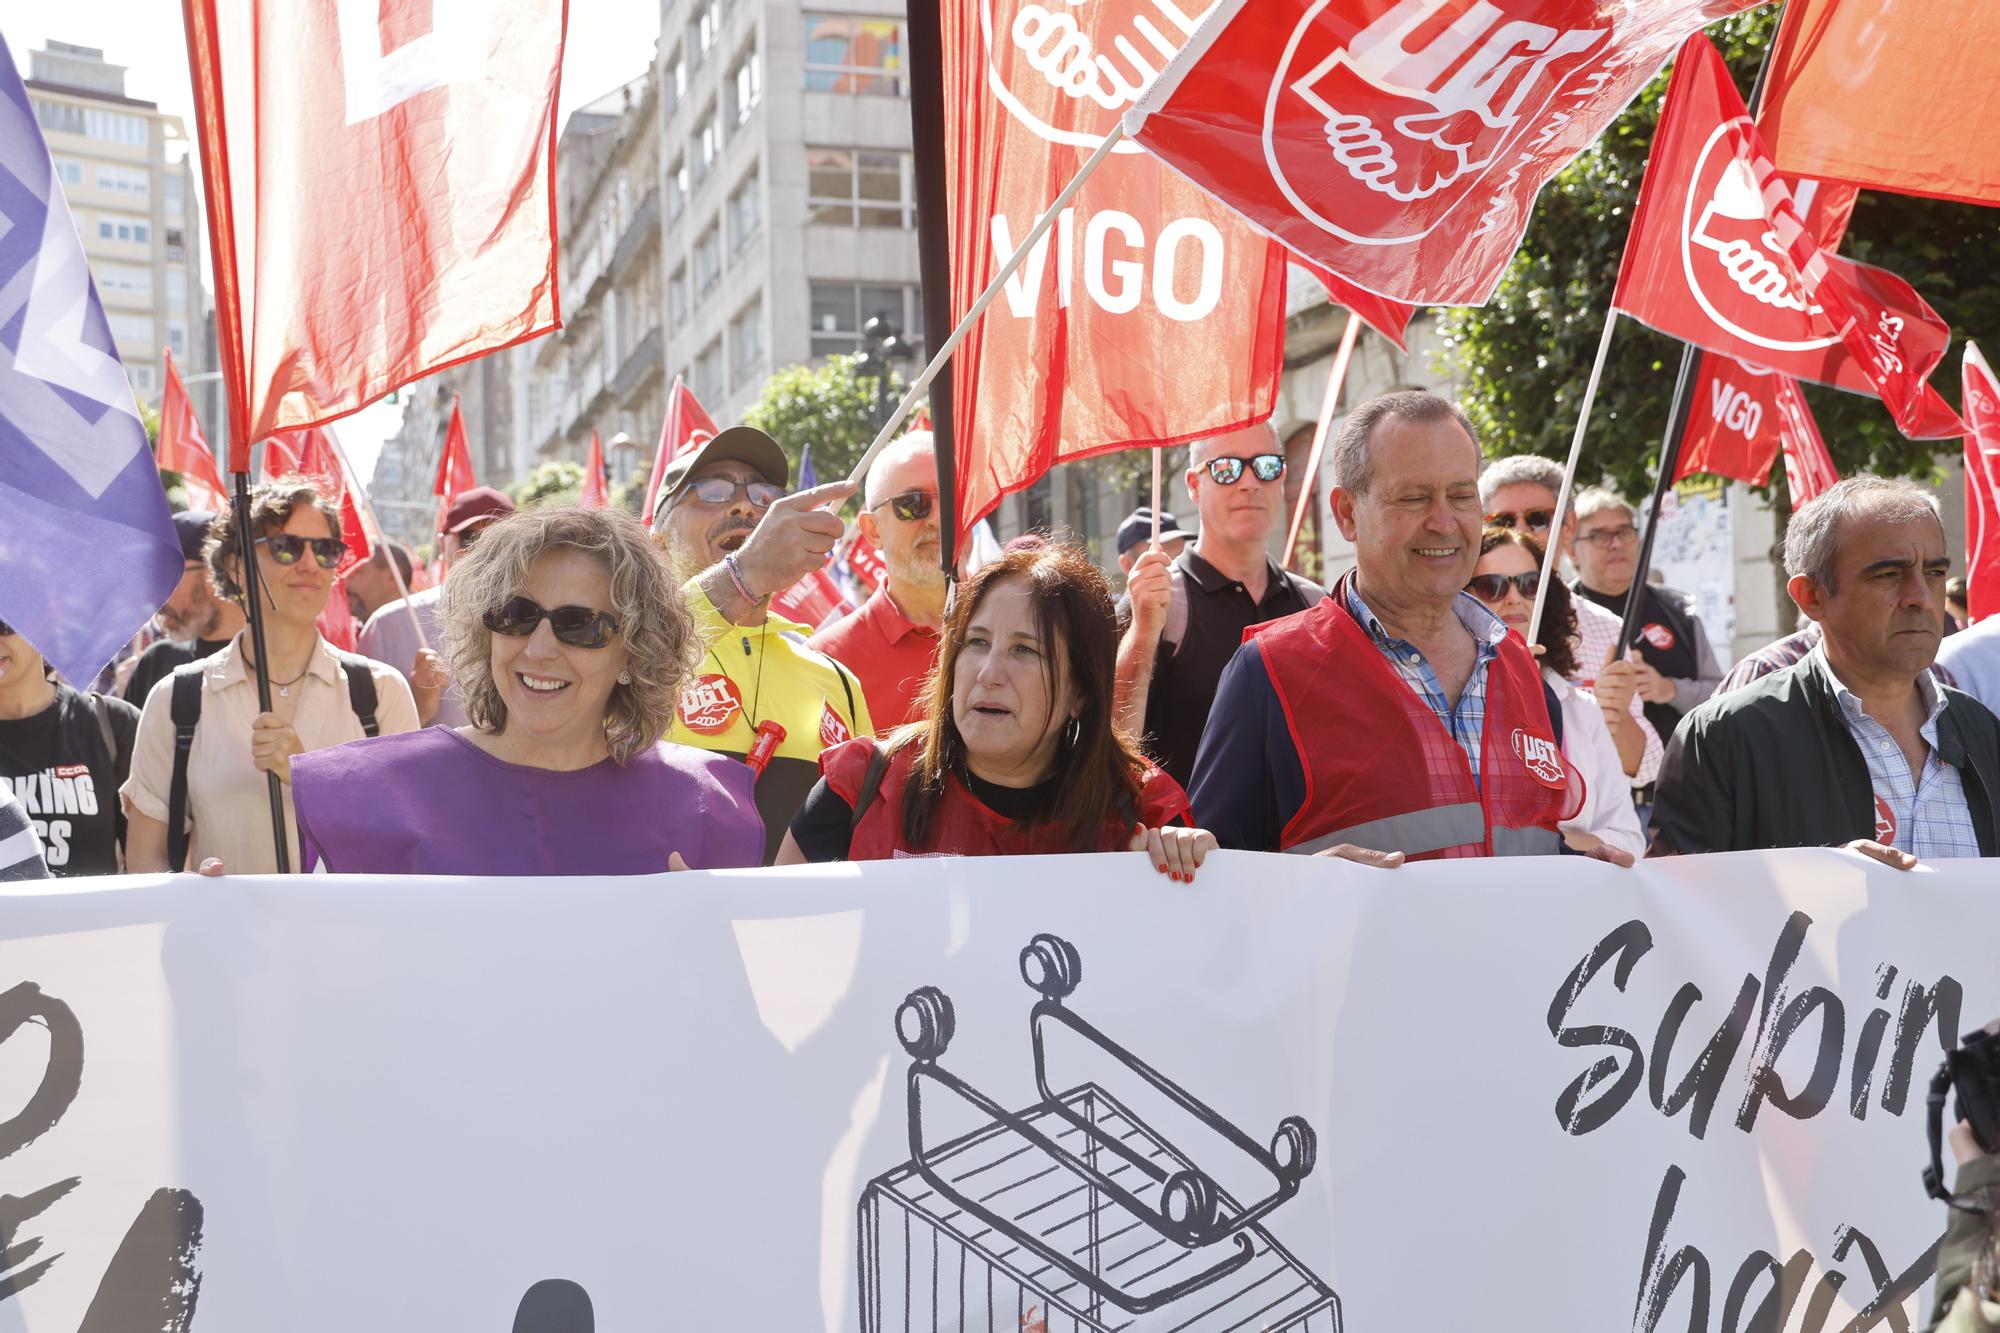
x: 890, y: 655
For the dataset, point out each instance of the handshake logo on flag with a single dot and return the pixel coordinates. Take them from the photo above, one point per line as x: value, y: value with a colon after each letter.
x: 1067, y: 69
x: 1415, y: 105
x: 1732, y: 224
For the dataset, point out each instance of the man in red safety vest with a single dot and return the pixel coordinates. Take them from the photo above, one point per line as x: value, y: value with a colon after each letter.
x: 1398, y: 718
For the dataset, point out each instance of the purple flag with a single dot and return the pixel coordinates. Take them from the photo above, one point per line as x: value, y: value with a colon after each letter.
x: 87, y: 547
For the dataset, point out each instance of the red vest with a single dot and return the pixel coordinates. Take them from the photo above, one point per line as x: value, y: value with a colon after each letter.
x: 961, y: 825
x: 1382, y: 771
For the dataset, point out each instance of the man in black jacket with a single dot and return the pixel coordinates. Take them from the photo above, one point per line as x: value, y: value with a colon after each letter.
x: 1857, y: 744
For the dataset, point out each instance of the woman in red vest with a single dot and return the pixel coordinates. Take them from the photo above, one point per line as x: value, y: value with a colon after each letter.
x: 1017, y: 753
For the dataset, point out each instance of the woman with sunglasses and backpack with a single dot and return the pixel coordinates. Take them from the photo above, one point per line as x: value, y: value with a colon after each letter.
x: 210, y: 800
x: 1508, y: 575
x: 570, y: 644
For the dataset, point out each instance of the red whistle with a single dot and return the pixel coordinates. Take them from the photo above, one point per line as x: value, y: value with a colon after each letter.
x: 769, y: 736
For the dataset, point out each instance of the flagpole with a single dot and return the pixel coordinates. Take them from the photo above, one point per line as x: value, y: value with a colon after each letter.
x: 917, y: 388
x: 924, y: 28
x: 367, y: 507
x: 1309, y: 486
x: 1157, y: 454
x: 253, y: 588
x: 1551, y: 556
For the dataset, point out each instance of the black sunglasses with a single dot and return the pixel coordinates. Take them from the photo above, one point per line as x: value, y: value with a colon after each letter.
x: 1538, y: 519
x: 286, y: 549
x: 1492, y: 588
x: 577, y: 626
x: 910, y: 506
x: 1229, y: 470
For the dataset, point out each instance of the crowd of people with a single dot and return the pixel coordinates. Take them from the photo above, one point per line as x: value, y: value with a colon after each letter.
x: 579, y: 694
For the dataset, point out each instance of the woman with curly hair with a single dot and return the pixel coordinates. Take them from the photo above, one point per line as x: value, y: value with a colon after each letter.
x: 568, y: 639
x: 1018, y: 752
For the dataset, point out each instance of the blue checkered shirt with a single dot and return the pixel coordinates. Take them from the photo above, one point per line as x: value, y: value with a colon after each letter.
x: 1931, y: 815
x: 1466, y: 722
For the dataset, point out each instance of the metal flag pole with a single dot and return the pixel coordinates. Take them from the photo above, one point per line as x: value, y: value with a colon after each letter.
x: 253, y: 588
x: 915, y: 392
x: 1551, y: 555
x: 1309, y: 485
x: 925, y: 30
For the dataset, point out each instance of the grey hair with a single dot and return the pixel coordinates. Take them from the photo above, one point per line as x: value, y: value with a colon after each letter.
x: 660, y: 636
x: 1520, y: 470
x: 1812, y: 538
x: 1268, y: 426
x: 892, y: 456
x: 1594, y: 500
x: 1353, y: 468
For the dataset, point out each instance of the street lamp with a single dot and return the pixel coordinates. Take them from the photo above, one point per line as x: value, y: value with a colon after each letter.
x: 624, y: 454
x: 881, y: 340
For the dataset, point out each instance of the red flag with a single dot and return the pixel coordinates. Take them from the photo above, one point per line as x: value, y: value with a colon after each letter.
x: 1904, y: 101
x: 183, y: 449
x: 865, y: 562
x: 1721, y: 256
x: 454, y: 470
x: 1401, y: 143
x: 1809, y: 468
x: 281, y: 457
x: 381, y: 188
x: 687, y: 426
x: 1982, y: 486
x: 815, y: 600
x: 1733, y: 426
x: 1110, y: 334
x: 1389, y: 318
x: 596, y: 493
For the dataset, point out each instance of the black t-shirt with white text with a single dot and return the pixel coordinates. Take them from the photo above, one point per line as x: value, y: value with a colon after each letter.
x: 65, y: 778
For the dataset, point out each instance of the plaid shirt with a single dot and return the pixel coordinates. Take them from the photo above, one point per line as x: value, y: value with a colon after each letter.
x: 1930, y: 816
x: 1466, y: 722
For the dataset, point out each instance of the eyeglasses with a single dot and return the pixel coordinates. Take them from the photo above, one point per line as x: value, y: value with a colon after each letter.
x: 721, y: 490
x: 577, y: 626
x: 910, y: 506
x: 1537, y: 520
x: 1492, y: 588
x: 286, y: 548
x: 1228, y: 471
x: 1617, y: 536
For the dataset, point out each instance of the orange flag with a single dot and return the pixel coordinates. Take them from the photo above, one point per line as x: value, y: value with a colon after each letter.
x: 596, y: 493
x: 183, y: 448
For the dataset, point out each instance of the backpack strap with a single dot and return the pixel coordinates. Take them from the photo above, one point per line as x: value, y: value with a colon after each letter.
x: 871, y: 785
x: 360, y: 689
x: 186, y: 715
x: 99, y: 706
x: 848, y: 687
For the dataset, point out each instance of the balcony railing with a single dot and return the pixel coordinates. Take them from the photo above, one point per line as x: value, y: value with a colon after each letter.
x: 647, y: 361
x: 643, y: 229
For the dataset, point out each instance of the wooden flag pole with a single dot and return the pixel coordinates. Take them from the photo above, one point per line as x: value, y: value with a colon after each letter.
x: 1309, y: 487
x: 915, y: 393
x: 1157, y: 456
x: 1551, y: 556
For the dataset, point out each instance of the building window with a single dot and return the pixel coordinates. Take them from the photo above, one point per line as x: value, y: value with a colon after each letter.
x: 744, y: 214
x: 68, y: 172
x: 678, y: 305
x: 849, y: 188
x: 110, y: 229
x: 840, y: 310
x: 677, y: 77
x: 708, y: 144
x: 126, y: 279
x: 145, y: 379
x: 707, y: 28
x: 176, y: 195
x: 177, y: 286
x: 124, y: 180
x: 678, y: 188
x: 177, y: 339
x: 746, y: 86
x: 708, y: 384
x: 131, y: 328
x: 59, y: 117
x: 746, y: 344
x: 854, y: 55
x: 708, y: 261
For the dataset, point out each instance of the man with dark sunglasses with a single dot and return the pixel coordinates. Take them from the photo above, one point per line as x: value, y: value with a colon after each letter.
x: 1185, y: 615
x: 391, y: 634
x: 760, y: 694
x: 890, y: 642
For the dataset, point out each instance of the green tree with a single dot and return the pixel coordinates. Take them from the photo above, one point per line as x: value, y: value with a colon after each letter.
x: 834, y: 408
x: 557, y: 483
x: 1523, y: 359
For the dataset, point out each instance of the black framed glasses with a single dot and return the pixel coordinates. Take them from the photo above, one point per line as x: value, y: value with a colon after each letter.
x: 1492, y: 588
x: 1535, y: 520
x: 1228, y: 470
x: 910, y: 506
x: 286, y: 548
x: 577, y: 626
x: 1622, y: 535
x: 721, y: 490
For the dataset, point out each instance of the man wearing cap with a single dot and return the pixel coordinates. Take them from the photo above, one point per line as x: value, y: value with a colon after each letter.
x: 195, y: 621
x: 1137, y: 530
x: 890, y: 642
x: 1185, y: 615
x: 760, y: 694
x: 392, y: 633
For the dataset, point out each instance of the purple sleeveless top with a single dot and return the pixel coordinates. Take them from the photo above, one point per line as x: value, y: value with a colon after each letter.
x: 431, y: 802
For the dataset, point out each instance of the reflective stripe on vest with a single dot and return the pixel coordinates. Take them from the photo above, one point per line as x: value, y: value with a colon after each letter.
x: 1413, y: 834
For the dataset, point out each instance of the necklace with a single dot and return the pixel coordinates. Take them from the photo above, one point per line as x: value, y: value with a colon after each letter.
x: 284, y: 687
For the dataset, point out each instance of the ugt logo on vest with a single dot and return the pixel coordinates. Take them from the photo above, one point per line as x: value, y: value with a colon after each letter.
x: 1659, y: 636
x: 710, y: 704
x: 1542, y: 758
x: 1424, y: 105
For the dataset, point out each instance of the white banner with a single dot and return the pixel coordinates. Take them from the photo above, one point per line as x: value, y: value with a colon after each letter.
x: 1540, y: 1096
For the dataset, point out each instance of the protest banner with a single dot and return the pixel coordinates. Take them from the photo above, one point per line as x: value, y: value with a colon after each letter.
x: 1298, y: 1094
x: 1401, y: 143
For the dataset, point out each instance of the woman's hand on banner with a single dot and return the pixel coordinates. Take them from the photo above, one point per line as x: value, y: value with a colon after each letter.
x: 1616, y: 856
x: 212, y: 867
x: 1175, y: 850
x: 1363, y: 856
x: 674, y: 862
x: 1876, y: 851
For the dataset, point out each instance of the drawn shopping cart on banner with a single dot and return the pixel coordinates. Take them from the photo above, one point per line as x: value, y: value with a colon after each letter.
x: 1074, y: 1215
